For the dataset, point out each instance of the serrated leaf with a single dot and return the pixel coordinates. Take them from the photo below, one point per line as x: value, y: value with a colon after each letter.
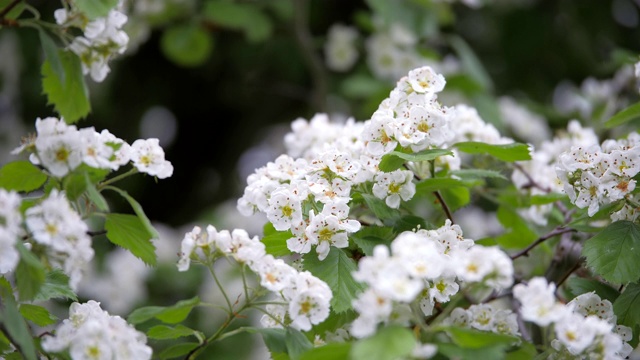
x: 21, y: 176
x: 37, y: 314
x: 614, y: 253
x: 30, y: 273
x: 51, y: 51
x: 369, y: 236
x: 380, y: 209
x: 128, y: 232
x: 187, y: 45
x: 14, y: 323
x: 389, y: 343
x: 70, y: 98
x: 246, y: 17
x: 56, y: 286
x: 178, y: 350
x: 95, y: 8
x: 579, y: 286
x: 626, y: 306
x: 143, y: 314
x: 138, y: 210
x: 164, y: 332
x: 336, y: 270
x: 505, y: 152
x: 275, y: 241
x: 296, y: 343
x: 623, y: 116
x: 394, y: 160
x: 333, y: 351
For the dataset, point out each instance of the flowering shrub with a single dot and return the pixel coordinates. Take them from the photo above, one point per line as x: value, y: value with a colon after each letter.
x: 361, y: 254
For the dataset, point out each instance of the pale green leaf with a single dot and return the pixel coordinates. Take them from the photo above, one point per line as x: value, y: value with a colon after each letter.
x: 14, y: 323
x: 137, y: 208
x: 336, y: 270
x: 381, y: 210
x: 21, y: 176
x: 505, y: 152
x: 56, y: 286
x: 94, y: 195
x: 187, y: 45
x: 474, y: 174
x: 275, y: 242
x: 70, y: 98
x: 30, y: 273
x: 164, y: 332
x: 51, y: 51
x: 129, y: 232
x: 395, y: 159
x: 37, y: 314
x: 95, y: 8
x: 296, y: 343
x: 168, y: 314
x: 389, y: 343
x: 333, y: 351
x: 614, y: 253
x: 623, y: 116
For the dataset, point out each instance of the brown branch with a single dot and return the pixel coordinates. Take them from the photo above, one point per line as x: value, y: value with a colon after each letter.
x: 445, y: 208
x: 555, y: 232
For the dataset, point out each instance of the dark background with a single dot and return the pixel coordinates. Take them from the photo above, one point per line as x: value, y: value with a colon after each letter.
x: 227, y: 104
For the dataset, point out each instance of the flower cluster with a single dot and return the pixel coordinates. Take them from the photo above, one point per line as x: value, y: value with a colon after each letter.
x: 584, y: 328
x: 598, y: 175
x: 10, y: 229
x: 103, y: 39
x: 91, y: 333
x: 340, y: 48
x: 307, y: 298
x: 61, y: 148
x: 425, y: 265
x: 485, y: 317
x: 541, y: 169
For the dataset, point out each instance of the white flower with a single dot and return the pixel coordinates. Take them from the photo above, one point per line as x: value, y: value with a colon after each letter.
x: 590, y: 304
x: 425, y: 80
x: 274, y: 274
x: 538, y: 302
x: 308, y: 308
x: 285, y: 209
x: 326, y: 230
x: 393, y: 186
x: 148, y: 157
x: 575, y: 332
x: 10, y: 220
x: 340, y: 48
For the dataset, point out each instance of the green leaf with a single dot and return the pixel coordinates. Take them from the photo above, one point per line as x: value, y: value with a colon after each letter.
x: 505, y: 152
x: 56, y: 286
x: 428, y: 186
x: 626, y: 306
x: 333, y: 351
x: 369, y: 236
x: 475, y: 339
x: 390, y: 343
x: 129, y: 232
x: 178, y: 350
x: 274, y: 338
x: 14, y: 323
x: 409, y: 223
x: 168, y: 314
x: 138, y: 210
x: 526, y: 351
x: 360, y: 86
x: 30, y: 274
x: 296, y: 343
x: 74, y: 185
x: 394, y: 160
x: 13, y: 13
x: 474, y: 174
x: 95, y: 8
x: 70, y: 98
x: 94, y: 195
x: 51, y: 51
x: 336, y: 270
x: 630, y: 113
x: 37, y: 314
x: 275, y: 242
x: 164, y: 332
x: 21, y: 175
x: 245, y: 17
x: 187, y: 45
x: 519, y: 234
x: 493, y: 352
x: 455, y: 198
x: 380, y: 209
x: 614, y: 253
x: 579, y: 286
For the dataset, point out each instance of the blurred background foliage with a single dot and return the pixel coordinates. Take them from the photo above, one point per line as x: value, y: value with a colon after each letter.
x: 211, y: 79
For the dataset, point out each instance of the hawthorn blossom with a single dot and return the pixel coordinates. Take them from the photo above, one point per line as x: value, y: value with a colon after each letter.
x: 394, y: 186
x: 148, y: 157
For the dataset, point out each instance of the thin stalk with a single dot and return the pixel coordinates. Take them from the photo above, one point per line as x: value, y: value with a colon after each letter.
x: 224, y: 294
x: 555, y: 232
x: 117, y: 178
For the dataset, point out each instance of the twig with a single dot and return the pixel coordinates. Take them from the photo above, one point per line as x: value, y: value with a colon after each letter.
x: 8, y: 8
x: 557, y: 231
x: 316, y: 68
x: 444, y: 206
x: 532, y: 182
x: 571, y: 271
